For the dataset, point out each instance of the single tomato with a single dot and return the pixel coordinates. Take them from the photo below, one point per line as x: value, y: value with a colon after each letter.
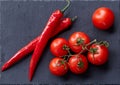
x: 103, y: 18
x: 58, y: 66
x: 98, y: 54
x: 78, y: 64
x: 77, y: 40
x: 59, y: 47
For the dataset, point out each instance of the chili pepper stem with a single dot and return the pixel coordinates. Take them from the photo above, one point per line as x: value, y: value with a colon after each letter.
x: 66, y: 7
x: 74, y: 18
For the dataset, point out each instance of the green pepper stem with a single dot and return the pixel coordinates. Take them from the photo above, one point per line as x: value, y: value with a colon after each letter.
x: 74, y: 18
x: 68, y: 4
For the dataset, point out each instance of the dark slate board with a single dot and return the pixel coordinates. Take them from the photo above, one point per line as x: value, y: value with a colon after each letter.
x: 22, y: 21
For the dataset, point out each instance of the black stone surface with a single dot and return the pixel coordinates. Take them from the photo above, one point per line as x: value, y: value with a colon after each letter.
x: 22, y: 21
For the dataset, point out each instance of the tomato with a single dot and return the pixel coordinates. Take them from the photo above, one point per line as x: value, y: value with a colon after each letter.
x: 103, y: 18
x: 58, y: 66
x: 77, y: 40
x: 59, y: 47
x: 78, y: 64
x: 98, y: 54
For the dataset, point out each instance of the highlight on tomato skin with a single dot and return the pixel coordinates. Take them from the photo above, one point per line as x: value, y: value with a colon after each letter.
x: 59, y: 47
x: 77, y: 40
x: 58, y: 66
x: 103, y: 18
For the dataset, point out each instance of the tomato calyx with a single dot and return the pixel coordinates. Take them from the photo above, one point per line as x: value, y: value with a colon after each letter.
x: 93, y: 50
x: 65, y: 47
x: 80, y: 41
x: 80, y: 64
x: 62, y: 62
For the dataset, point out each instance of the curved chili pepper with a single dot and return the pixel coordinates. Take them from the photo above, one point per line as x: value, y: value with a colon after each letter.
x: 43, y: 39
x: 64, y: 24
x: 30, y: 47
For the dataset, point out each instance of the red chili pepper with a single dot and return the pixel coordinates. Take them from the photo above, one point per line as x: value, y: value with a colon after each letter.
x: 30, y: 47
x: 43, y: 39
x: 64, y: 24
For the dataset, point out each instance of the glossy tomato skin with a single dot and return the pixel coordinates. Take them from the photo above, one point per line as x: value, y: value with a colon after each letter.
x: 78, y: 64
x: 57, y: 47
x: 58, y: 66
x: 103, y: 18
x: 74, y: 41
x: 100, y: 57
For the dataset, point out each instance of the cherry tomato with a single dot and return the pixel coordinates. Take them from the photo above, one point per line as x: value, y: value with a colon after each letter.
x: 98, y: 54
x: 59, y: 47
x: 58, y: 66
x: 77, y: 40
x: 78, y: 64
x: 103, y: 18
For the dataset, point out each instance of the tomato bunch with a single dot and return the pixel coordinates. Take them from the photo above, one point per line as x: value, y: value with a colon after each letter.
x: 70, y: 54
x: 79, y: 43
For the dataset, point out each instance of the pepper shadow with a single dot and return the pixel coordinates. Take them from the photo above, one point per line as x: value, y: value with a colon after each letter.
x: 82, y: 76
x: 108, y: 65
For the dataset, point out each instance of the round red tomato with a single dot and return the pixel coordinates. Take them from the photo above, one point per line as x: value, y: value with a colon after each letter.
x: 58, y: 66
x: 78, y: 64
x: 77, y: 40
x: 59, y: 47
x: 103, y: 18
x: 98, y: 54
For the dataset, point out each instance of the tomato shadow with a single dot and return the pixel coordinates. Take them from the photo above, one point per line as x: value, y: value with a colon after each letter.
x: 93, y: 70
x: 85, y: 75
x: 103, y: 68
x: 89, y: 74
x: 111, y: 60
x: 111, y: 29
x: 110, y: 63
x: 66, y: 77
x: 72, y: 76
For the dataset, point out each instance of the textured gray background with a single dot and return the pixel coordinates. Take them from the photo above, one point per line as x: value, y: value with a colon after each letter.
x: 22, y: 21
